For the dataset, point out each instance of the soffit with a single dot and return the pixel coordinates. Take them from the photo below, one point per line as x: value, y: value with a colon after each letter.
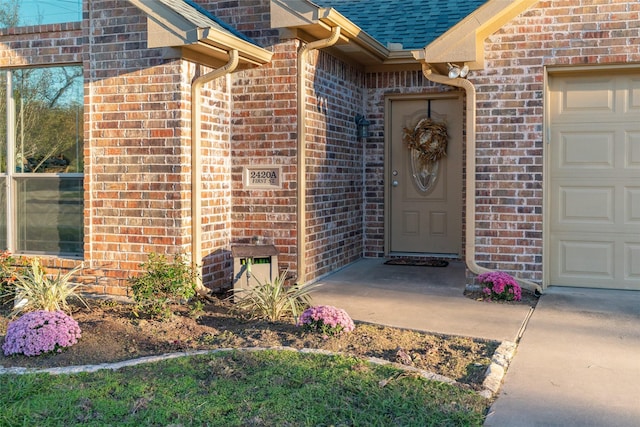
x: 190, y: 32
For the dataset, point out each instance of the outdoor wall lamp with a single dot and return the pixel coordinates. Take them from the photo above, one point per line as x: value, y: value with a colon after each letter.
x: 455, y: 71
x: 362, y: 126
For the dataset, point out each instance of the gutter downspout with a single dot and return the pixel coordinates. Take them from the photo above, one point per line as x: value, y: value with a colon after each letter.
x: 302, y: 147
x: 196, y: 161
x: 470, y: 202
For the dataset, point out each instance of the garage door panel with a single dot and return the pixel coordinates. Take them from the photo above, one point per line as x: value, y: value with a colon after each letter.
x: 594, y: 95
x: 632, y: 261
x: 586, y: 258
x: 594, y: 181
x: 633, y: 89
x: 632, y: 151
x: 587, y: 204
x: 580, y: 149
x: 632, y: 205
x: 594, y: 262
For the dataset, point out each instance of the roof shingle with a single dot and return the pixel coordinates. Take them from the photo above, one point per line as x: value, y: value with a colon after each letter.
x: 413, y: 23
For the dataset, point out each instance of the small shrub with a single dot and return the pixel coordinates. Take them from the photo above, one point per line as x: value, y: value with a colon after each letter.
x: 274, y: 300
x: 196, y: 310
x: 40, y: 332
x: 7, y: 277
x: 163, y: 283
x: 36, y: 290
x: 500, y: 286
x: 327, y: 320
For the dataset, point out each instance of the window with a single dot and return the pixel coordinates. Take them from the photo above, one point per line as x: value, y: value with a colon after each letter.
x: 14, y: 13
x: 41, y: 128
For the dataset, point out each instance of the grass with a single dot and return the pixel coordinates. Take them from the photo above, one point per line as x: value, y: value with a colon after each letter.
x: 266, y: 388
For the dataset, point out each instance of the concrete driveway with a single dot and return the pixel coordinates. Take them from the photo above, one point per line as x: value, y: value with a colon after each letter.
x: 578, y: 363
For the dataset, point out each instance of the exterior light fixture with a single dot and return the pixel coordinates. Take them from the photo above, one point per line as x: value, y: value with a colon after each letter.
x: 362, y: 126
x: 455, y: 71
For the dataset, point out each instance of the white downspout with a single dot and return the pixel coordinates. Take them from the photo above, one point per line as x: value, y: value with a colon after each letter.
x: 470, y: 202
x: 302, y: 147
x: 196, y: 160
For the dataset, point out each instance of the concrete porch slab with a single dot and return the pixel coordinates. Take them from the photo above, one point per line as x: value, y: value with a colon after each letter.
x: 423, y: 298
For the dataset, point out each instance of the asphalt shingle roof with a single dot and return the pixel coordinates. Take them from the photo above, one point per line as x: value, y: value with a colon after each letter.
x: 414, y: 23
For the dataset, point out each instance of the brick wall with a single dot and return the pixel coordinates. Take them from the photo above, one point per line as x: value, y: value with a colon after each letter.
x: 215, y: 101
x: 510, y: 116
x: 137, y: 142
x: 137, y: 150
x: 334, y: 164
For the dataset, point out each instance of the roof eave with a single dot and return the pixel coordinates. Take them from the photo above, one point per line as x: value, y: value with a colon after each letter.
x: 311, y: 22
x: 206, y: 46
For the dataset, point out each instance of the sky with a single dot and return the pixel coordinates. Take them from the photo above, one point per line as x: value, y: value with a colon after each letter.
x: 34, y: 12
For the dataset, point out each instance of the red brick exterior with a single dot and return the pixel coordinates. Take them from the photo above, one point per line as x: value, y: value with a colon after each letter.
x: 510, y: 116
x: 138, y: 142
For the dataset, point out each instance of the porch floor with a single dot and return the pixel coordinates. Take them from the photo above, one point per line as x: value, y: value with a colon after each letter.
x: 422, y: 298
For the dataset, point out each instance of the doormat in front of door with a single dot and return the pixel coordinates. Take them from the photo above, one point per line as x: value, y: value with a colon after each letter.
x: 418, y: 262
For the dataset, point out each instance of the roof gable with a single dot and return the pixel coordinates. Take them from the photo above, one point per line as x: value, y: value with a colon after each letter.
x: 412, y: 23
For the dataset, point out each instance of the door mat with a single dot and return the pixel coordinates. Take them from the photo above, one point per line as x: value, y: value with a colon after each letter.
x: 418, y: 262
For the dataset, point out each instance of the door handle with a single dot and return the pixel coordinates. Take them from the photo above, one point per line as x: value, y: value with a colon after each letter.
x: 395, y: 183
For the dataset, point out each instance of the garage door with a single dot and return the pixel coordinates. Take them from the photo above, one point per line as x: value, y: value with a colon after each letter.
x: 593, y: 168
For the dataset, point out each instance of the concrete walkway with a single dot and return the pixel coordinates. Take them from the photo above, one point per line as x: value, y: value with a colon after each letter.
x: 578, y: 359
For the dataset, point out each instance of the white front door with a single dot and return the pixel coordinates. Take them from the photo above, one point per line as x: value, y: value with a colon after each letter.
x: 425, y: 203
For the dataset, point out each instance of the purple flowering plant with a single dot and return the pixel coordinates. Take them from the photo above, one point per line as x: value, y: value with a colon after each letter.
x: 500, y: 286
x: 39, y: 332
x: 326, y: 319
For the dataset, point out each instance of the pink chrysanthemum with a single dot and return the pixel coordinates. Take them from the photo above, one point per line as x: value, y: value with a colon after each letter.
x: 39, y: 332
x: 326, y: 319
x: 499, y: 285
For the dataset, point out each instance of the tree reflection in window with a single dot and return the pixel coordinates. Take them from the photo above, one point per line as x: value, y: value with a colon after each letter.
x: 48, y: 119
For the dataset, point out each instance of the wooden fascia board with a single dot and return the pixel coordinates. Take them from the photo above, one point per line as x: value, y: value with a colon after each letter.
x: 463, y: 43
x: 249, y: 52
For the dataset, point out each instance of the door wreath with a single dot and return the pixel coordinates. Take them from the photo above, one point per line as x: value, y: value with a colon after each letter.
x: 429, y: 139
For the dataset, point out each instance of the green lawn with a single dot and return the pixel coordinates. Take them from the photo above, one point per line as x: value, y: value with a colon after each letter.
x: 265, y: 388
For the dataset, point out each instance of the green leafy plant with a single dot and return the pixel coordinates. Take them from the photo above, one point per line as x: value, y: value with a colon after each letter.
x: 197, y: 309
x: 274, y: 300
x: 163, y: 283
x: 37, y: 290
x: 7, y: 276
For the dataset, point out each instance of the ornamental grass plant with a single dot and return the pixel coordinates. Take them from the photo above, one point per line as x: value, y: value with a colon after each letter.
x: 40, y: 332
x: 34, y: 289
x: 273, y: 300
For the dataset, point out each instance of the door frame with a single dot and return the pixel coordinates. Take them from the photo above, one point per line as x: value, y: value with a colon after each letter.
x: 459, y: 95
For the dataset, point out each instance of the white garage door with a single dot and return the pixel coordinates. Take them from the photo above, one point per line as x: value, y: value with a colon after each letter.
x: 593, y: 166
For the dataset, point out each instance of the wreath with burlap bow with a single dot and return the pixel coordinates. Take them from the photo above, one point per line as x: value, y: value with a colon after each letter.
x: 429, y: 139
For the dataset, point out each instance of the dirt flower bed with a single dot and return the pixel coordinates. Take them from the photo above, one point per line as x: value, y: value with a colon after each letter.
x: 111, y: 332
